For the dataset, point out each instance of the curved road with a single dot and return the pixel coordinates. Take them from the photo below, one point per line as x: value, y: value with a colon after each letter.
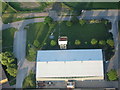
x: 20, y: 36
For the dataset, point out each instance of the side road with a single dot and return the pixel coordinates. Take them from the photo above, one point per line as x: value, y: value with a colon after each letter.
x: 20, y: 36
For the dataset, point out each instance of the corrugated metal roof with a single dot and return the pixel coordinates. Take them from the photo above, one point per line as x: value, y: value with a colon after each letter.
x: 69, y: 55
x: 66, y: 65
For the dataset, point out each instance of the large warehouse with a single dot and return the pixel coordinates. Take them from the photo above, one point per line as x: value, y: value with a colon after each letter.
x: 76, y: 64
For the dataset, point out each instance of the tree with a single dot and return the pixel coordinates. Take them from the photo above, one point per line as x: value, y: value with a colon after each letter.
x: 112, y: 75
x: 110, y: 42
x: 36, y: 43
x: 74, y: 19
x: 32, y: 52
x: 77, y: 42
x: 69, y: 23
x: 7, y: 58
x: 12, y: 71
x: 53, y: 43
x: 48, y: 20
x: 102, y: 42
x: 29, y: 81
x: 94, y: 41
x: 82, y: 22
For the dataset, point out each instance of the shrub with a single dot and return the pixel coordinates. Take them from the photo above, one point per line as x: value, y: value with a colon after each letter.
x: 94, y: 41
x: 69, y: 23
x: 29, y: 81
x: 82, y: 22
x: 102, y: 42
x: 53, y: 43
x: 32, y: 52
x: 12, y: 71
x: 94, y: 21
x: 48, y: 20
x: 110, y: 42
x: 77, y: 42
x: 36, y: 43
x: 112, y: 75
x: 8, y: 60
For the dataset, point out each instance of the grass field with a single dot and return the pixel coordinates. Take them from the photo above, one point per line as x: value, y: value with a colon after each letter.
x: 7, y: 8
x: 7, y: 39
x: 92, y: 5
x: 41, y: 32
x: 83, y: 33
x: 28, y: 6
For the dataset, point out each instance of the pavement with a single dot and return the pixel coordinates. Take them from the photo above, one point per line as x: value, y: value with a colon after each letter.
x: 20, y: 40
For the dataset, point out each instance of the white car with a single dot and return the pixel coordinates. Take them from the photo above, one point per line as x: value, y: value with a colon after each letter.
x: 70, y: 84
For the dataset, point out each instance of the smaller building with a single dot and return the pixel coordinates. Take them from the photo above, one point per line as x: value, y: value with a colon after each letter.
x: 62, y: 41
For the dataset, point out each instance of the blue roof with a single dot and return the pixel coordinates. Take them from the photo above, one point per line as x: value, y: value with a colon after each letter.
x: 69, y: 55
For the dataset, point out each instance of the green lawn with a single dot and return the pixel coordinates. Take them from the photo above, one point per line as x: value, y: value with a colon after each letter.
x: 7, y: 39
x: 41, y: 32
x: 7, y: 8
x: 36, y: 31
x: 92, y: 5
x: 83, y: 33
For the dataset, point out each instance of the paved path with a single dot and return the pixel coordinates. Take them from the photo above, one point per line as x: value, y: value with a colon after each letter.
x: 20, y: 37
x: 20, y: 50
x: 27, y: 15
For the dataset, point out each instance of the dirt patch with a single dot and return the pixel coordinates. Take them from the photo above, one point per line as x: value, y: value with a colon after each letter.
x: 29, y: 5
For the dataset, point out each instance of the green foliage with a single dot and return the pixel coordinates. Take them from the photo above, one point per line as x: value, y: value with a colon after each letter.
x: 82, y: 22
x: 31, y: 54
x: 69, y: 23
x: 36, y: 43
x: 7, y: 39
x: 102, y: 42
x: 94, y: 41
x: 94, y: 21
x: 29, y: 81
x: 112, y: 75
x: 8, y: 60
x: 77, y: 42
x: 110, y: 42
x: 48, y: 20
x: 12, y: 71
x: 52, y: 25
x: 53, y: 43
x: 74, y: 19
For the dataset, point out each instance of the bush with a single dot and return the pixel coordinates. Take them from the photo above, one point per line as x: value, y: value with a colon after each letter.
x: 53, y: 43
x: 94, y: 41
x: 77, y: 42
x: 48, y: 20
x: 9, y: 61
x: 102, y: 42
x: 31, y: 54
x: 94, y: 21
x: 112, y: 75
x: 82, y: 22
x: 110, y: 42
x: 29, y: 81
x: 12, y: 71
x: 69, y: 23
x: 36, y: 43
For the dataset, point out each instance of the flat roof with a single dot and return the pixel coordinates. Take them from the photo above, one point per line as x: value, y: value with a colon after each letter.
x: 69, y: 63
x: 69, y: 55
